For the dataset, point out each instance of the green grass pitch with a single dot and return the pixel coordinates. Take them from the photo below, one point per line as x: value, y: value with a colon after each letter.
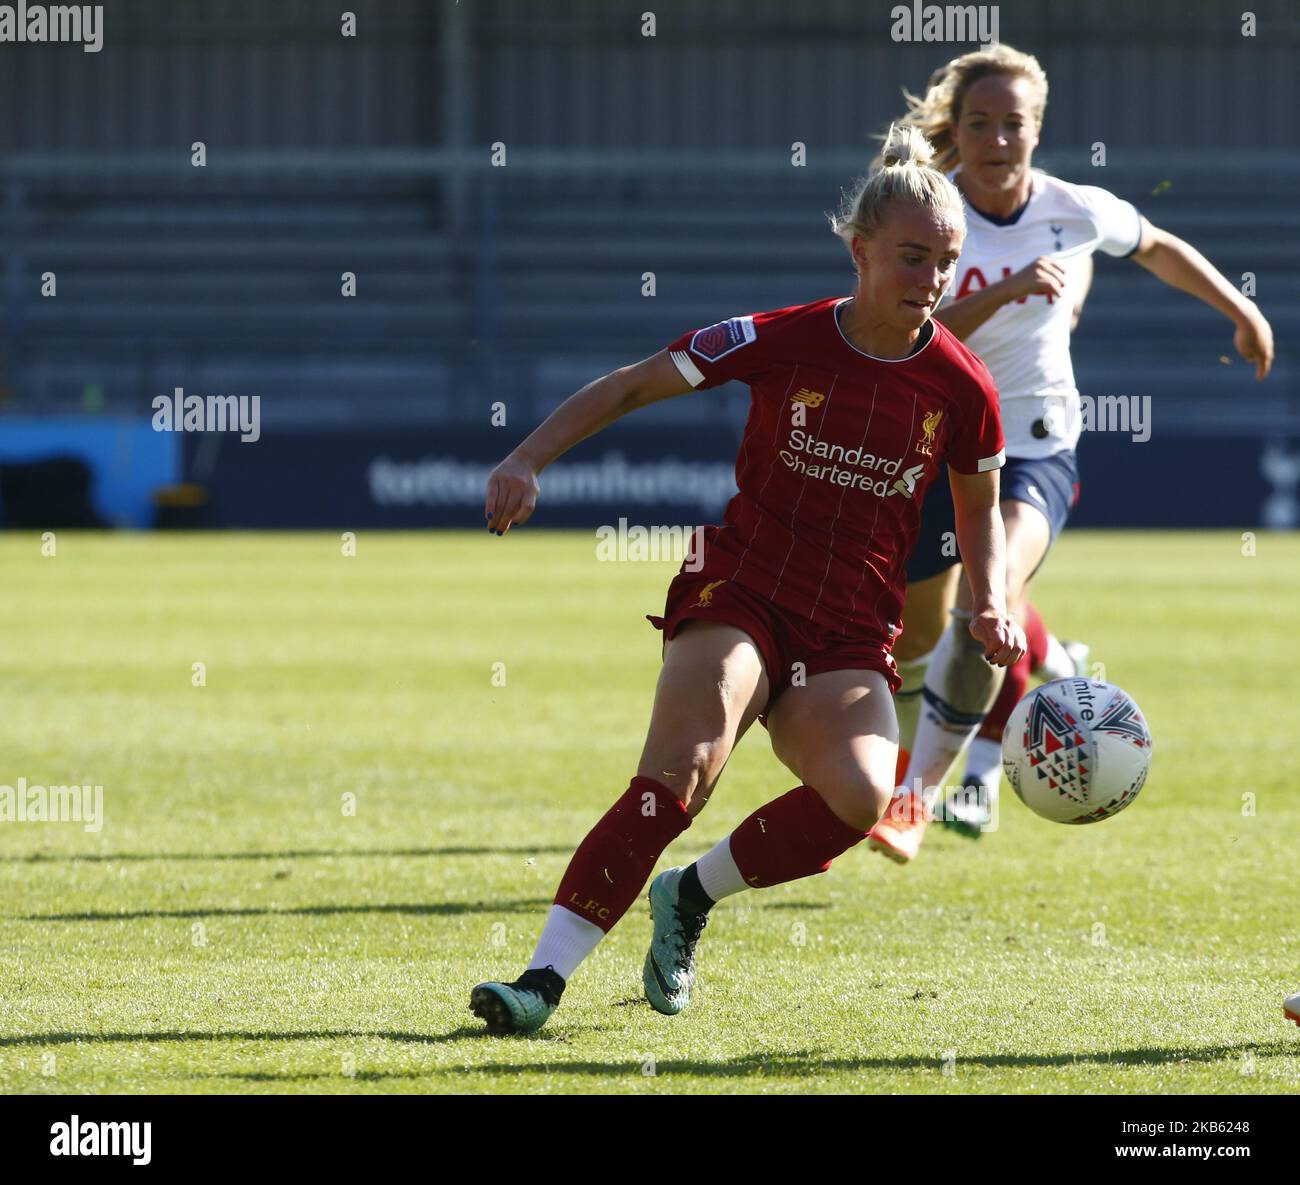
x: 308, y: 860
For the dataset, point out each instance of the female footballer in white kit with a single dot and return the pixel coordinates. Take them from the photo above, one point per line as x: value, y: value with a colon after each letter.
x: 1023, y: 271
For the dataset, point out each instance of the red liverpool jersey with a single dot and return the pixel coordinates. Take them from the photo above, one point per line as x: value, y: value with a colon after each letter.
x: 838, y: 451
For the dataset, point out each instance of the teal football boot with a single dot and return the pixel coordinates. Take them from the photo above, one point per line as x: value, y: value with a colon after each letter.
x: 519, y: 1007
x: 669, y: 971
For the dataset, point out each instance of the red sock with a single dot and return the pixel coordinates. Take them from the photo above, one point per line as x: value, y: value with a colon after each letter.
x: 1036, y: 635
x: 793, y: 836
x: 1017, y: 680
x: 612, y: 865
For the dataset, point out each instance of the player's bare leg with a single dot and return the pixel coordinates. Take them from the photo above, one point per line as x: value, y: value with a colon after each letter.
x: 968, y: 809
x: 668, y: 970
x: 838, y: 736
x: 971, y: 809
x: 925, y: 616
x: 711, y: 689
x: 960, y: 688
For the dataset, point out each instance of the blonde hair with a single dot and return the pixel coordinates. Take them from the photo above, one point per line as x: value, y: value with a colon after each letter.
x: 902, y: 173
x: 937, y: 113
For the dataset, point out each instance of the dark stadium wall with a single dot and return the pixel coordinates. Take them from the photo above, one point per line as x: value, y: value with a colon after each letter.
x: 573, y: 73
x: 741, y: 73
x: 236, y: 74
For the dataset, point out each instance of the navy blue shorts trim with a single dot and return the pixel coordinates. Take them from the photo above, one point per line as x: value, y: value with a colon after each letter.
x: 1049, y: 484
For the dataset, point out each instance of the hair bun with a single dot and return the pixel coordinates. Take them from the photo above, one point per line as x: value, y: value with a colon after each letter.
x: 905, y: 145
x: 902, y: 173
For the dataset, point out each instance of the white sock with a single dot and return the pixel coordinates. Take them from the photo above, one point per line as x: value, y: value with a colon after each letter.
x: 907, y: 699
x: 984, y: 764
x: 960, y: 687
x: 1057, y: 664
x: 566, y: 940
x: 719, y: 876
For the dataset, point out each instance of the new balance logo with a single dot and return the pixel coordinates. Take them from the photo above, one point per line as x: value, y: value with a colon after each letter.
x: 811, y: 398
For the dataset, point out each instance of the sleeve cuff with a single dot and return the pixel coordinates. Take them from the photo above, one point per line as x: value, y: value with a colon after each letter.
x: 689, y: 371
x: 994, y: 462
x: 1129, y: 253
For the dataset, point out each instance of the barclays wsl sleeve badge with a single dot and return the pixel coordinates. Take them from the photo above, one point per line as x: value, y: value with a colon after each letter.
x: 717, y: 341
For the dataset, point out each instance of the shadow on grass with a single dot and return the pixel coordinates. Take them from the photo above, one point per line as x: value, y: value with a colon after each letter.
x: 305, y: 854
x: 341, y: 1079
x: 805, y: 1063
x: 802, y: 1063
x: 462, y: 1033
x: 419, y: 908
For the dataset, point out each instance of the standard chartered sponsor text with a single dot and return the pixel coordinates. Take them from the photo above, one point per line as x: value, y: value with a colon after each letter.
x: 854, y: 460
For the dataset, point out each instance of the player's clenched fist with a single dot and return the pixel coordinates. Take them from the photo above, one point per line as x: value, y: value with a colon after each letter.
x: 512, y: 491
x: 1002, y: 638
x: 1043, y: 277
x: 1254, y: 340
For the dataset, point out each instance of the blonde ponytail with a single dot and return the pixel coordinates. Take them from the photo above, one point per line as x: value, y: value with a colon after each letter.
x: 904, y: 174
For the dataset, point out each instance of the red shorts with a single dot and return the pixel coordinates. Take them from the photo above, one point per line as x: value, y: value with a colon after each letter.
x: 782, y: 637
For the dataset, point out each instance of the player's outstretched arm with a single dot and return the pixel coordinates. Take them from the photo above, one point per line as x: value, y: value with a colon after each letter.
x: 513, y: 485
x: 1180, y: 265
x: 982, y: 541
x: 1043, y: 277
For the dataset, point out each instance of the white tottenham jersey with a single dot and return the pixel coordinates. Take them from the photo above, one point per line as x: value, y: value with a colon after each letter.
x: 1026, y: 343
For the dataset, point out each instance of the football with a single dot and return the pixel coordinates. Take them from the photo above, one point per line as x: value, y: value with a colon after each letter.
x: 1076, y: 750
